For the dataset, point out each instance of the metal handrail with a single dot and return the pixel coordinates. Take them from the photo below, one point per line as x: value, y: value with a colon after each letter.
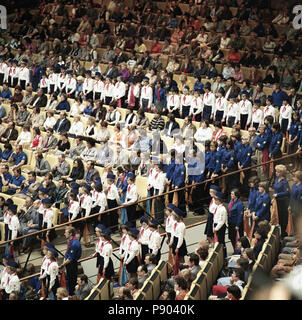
x: 153, y: 197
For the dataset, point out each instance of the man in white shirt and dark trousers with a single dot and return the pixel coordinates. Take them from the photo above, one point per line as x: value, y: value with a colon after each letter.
x: 70, y: 84
x: 88, y: 86
x: 3, y: 70
x: 245, y: 107
x: 131, y: 198
x: 98, y: 86
x: 173, y: 102
x: 23, y: 74
x: 209, y: 102
x: 146, y: 95
x: 220, y: 220
x: 119, y: 92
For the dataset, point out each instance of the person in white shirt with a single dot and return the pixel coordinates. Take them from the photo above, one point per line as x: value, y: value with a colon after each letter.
x: 70, y: 84
x: 233, y: 112
x: 3, y: 71
x: 269, y: 109
x: 98, y: 87
x: 113, y: 116
x: 177, y: 241
x: 196, y: 107
x: 173, y: 102
x: 257, y: 115
x: 131, y: 198
x: 143, y: 238
x: 119, y: 92
x: 159, y: 187
x: 185, y: 102
x: 108, y: 91
x: 24, y: 137
x: 220, y: 108
x: 47, y: 220
x: 220, y: 217
x: 99, y: 203
x: 13, y: 222
x: 44, y: 83
x: 73, y: 207
x: 50, y: 120
x: 77, y: 107
x: 23, y: 79
x: 113, y: 200
x: 146, y: 97
x: 15, y: 73
x: 150, y: 185
x: 52, y: 81
x: 133, y: 94
x: 285, y: 116
x: 245, y: 107
x: 209, y: 226
x: 209, y: 102
x: 88, y: 86
x: 61, y: 80
x: 51, y: 273
x: 77, y: 127
x: 12, y: 280
x: 125, y: 228
x: 130, y: 119
x: 106, y: 269
x: 204, y: 132
x: 98, y: 246
x: 131, y: 260
x: 85, y: 208
x: 154, y: 239
x: 169, y: 221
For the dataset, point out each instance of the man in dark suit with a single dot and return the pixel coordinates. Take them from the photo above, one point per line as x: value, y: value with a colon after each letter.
x: 293, y: 98
x: 42, y: 166
x: 145, y: 61
x: 172, y: 127
x: 111, y: 70
x: 39, y: 100
x: 50, y: 186
x: 10, y: 134
x: 62, y: 124
x: 91, y: 174
x: 119, y: 56
x: 50, y: 141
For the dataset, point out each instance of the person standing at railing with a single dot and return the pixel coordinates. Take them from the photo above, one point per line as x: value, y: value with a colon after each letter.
x: 209, y: 226
x: 143, y: 238
x: 12, y: 280
x: 72, y: 255
x: 113, y: 200
x: 282, y: 194
x: 177, y: 241
x: 220, y: 217
x: 132, y: 252
x: 51, y: 272
x: 276, y: 140
x: 244, y: 155
x: 154, y: 239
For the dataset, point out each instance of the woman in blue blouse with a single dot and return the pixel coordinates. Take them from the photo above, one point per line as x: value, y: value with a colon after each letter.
x: 295, y: 202
x: 8, y: 150
x: 89, y: 107
x: 235, y: 216
x: 281, y: 194
x: 294, y: 132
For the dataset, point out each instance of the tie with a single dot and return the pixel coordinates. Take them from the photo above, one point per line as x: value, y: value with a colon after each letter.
x: 70, y: 204
x: 47, y: 142
x: 128, y: 189
x: 156, y: 176
x: 184, y: 99
x: 175, y: 225
x: 44, y: 213
x: 230, y: 207
x: 158, y: 95
x: 69, y: 81
x: 284, y: 109
x: 266, y: 109
x: 132, y: 98
x: 34, y: 70
x: 145, y: 90
x: 207, y: 95
x: 43, y: 82
x: 173, y: 100
x: 219, y: 101
x: 109, y: 188
x: 118, y: 84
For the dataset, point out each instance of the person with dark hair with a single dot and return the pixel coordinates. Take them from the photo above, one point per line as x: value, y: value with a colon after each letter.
x: 235, y: 217
x: 193, y: 264
x: 233, y: 292
x: 260, y: 236
x: 83, y: 288
x: 181, y: 288
x: 275, y: 142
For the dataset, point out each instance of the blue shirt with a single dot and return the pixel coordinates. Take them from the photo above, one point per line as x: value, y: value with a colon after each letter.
x: 262, y: 140
x: 170, y: 169
x: 214, y: 162
x: 275, y: 143
x: 229, y: 159
x: 251, y: 203
x: 281, y: 188
x: 244, y: 156
x: 63, y: 105
x: 295, y: 129
x: 7, y: 177
x: 17, y: 181
x: 198, y: 86
x: 262, y: 207
x: 235, y: 216
x: 2, y: 112
x: 6, y: 94
x: 74, y: 250
x: 296, y: 194
x: 18, y: 157
x: 278, y: 98
x: 88, y: 110
x: 26, y: 188
x: 6, y: 154
x: 195, y: 171
x: 162, y: 96
x: 179, y: 176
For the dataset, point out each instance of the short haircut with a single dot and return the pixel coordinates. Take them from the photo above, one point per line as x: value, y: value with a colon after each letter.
x: 193, y: 257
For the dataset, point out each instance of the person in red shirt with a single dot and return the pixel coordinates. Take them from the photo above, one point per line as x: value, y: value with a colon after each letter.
x: 156, y: 47
x: 234, y: 56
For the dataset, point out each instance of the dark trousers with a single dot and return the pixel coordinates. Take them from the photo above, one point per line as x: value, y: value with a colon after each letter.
x: 243, y: 121
x: 131, y: 214
x: 219, y: 115
x: 207, y: 111
x: 1, y: 78
x: 221, y: 237
x: 22, y: 84
x: 185, y: 111
x: 71, y: 276
x: 231, y: 122
x: 232, y: 233
x: 282, y: 205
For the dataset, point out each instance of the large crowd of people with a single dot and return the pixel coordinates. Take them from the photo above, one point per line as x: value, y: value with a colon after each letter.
x: 175, y: 93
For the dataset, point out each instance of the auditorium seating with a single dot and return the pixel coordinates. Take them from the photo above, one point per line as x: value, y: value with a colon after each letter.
x: 101, y: 291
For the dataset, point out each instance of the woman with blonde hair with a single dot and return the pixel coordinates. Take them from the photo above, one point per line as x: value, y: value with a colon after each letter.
x: 281, y: 194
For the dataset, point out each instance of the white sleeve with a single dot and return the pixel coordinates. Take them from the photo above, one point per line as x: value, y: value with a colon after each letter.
x: 53, y: 272
x: 181, y: 236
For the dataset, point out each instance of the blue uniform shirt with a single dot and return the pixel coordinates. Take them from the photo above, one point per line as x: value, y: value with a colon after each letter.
x: 74, y: 250
x: 251, y: 203
x: 6, y: 154
x: 18, y: 157
x: 63, y: 105
x: 244, y: 156
x: 281, y: 188
x: 214, y: 162
x: 229, y: 159
x: 296, y: 194
x: 170, y: 170
x: 6, y: 94
x: 295, y: 129
x: 179, y: 176
x: 195, y: 171
x: 262, y: 207
x: 275, y: 143
x: 88, y: 110
x: 17, y: 181
x: 262, y: 140
x: 7, y: 177
x: 235, y: 216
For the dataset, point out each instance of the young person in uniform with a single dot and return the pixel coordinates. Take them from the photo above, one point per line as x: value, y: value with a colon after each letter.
x: 154, y: 239
x: 143, y: 238
x: 131, y: 260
